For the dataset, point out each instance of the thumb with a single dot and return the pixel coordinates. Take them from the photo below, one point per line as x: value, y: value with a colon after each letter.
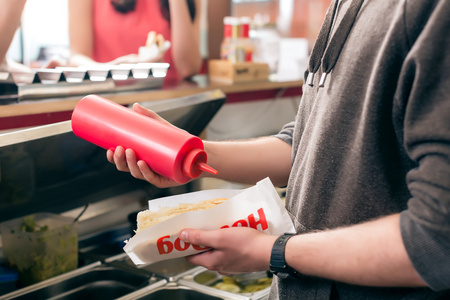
x: 148, y: 113
x: 203, y: 238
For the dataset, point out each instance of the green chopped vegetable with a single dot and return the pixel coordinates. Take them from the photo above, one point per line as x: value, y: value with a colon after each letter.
x: 229, y: 287
x: 29, y: 225
x: 229, y: 284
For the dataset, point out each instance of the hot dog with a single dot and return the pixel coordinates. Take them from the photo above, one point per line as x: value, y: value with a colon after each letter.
x: 147, y: 218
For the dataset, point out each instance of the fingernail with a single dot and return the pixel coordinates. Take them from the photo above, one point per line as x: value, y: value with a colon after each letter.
x: 184, y: 235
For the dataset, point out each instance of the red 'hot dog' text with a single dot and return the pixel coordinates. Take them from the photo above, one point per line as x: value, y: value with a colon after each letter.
x: 166, y: 246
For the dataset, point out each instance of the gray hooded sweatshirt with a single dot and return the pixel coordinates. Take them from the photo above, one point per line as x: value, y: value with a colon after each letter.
x: 373, y: 138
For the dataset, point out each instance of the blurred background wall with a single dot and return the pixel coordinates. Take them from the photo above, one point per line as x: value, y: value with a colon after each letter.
x: 44, y: 24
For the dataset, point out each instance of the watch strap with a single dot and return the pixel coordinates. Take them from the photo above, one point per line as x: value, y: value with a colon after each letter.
x: 278, y: 265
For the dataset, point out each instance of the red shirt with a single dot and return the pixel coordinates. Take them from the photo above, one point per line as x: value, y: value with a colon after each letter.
x: 117, y: 34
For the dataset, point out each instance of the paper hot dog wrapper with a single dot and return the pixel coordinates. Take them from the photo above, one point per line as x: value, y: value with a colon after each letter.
x: 259, y: 207
x: 153, y: 51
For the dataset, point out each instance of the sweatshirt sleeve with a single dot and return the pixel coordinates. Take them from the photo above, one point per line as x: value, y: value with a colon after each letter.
x: 424, y: 94
x: 286, y: 133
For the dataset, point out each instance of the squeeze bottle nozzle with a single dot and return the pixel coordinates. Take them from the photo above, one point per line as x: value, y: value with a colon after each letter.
x: 195, y: 162
x: 204, y: 167
x: 168, y: 150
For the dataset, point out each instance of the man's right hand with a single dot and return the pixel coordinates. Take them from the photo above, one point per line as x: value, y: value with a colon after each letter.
x: 126, y: 160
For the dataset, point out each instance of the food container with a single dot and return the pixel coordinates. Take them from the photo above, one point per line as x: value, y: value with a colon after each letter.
x: 228, y: 72
x: 248, y: 286
x: 240, y: 284
x: 40, y: 246
x: 153, y: 52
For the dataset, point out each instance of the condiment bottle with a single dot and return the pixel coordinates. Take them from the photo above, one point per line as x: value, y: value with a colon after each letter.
x: 225, y: 47
x: 230, y: 43
x: 245, y: 39
x: 168, y: 150
x: 237, y: 50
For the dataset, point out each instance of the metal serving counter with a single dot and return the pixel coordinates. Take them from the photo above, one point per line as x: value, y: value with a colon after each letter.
x: 48, y: 169
x: 108, y: 273
x: 117, y: 279
x: 55, y: 109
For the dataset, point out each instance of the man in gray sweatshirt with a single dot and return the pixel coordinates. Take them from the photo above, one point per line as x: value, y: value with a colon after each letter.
x: 366, y: 163
x: 373, y: 139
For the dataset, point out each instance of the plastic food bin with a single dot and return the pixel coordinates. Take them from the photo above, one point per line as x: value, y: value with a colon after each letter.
x: 40, y: 246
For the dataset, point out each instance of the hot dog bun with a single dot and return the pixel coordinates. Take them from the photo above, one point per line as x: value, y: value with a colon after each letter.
x: 146, y: 218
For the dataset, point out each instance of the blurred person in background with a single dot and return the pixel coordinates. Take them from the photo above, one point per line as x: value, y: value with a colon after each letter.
x: 10, y: 15
x: 111, y: 32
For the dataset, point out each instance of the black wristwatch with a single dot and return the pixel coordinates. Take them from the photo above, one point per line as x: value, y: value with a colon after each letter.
x: 278, y: 264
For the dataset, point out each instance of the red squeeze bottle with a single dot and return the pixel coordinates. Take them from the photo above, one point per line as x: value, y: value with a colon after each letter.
x: 168, y: 150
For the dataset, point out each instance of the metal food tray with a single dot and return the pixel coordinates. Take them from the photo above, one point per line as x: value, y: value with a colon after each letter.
x: 125, y: 282
x: 173, y: 291
x: 98, y: 281
x: 183, y: 281
x: 171, y: 270
x: 117, y: 279
x: 190, y: 280
x: 63, y: 82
